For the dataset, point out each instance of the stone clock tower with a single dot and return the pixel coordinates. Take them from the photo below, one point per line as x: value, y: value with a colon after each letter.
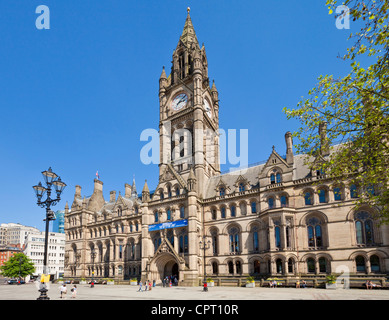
x: 189, y: 114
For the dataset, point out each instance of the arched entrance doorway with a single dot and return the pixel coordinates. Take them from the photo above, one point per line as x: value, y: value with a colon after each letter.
x: 164, y: 265
x: 171, y: 269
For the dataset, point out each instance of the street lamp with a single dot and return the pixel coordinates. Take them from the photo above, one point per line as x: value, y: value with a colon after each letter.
x: 204, y: 245
x: 93, y: 255
x: 50, y: 179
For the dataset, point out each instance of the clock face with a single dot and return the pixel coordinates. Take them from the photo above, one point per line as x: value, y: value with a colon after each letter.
x: 179, y: 101
x: 207, y: 108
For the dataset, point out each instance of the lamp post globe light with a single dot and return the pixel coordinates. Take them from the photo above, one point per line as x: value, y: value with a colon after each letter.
x: 51, y: 179
x: 204, y: 245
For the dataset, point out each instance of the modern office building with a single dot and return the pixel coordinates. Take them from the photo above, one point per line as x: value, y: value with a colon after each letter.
x: 34, y: 249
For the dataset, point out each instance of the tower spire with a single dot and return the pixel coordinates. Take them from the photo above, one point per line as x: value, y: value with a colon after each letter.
x: 188, y: 35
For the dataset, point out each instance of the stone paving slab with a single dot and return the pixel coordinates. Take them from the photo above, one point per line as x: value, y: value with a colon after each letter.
x: 126, y: 292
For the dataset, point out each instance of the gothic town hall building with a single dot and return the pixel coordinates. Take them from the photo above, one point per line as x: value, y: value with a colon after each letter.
x: 276, y: 219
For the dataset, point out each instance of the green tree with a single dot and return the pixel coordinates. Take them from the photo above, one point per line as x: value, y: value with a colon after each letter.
x: 18, y: 264
x: 354, y: 109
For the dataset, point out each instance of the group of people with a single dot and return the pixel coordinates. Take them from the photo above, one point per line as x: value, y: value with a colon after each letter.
x: 63, y: 291
x: 147, y: 285
x: 170, y: 281
x: 370, y: 285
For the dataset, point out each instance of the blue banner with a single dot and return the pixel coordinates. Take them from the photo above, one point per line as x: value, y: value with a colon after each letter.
x: 168, y: 225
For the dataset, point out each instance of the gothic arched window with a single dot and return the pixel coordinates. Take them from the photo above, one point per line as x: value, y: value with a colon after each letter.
x: 215, y: 268
x: 308, y: 198
x: 315, y: 238
x: 375, y: 264
x: 241, y: 187
x: 233, y: 211
x: 255, y: 239
x: 364, y: 228
x: 310, y: 265
x: 234, y: 240
x: 182, y: 212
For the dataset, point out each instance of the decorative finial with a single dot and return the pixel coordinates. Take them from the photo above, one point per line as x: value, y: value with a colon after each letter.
x: 188, y: 9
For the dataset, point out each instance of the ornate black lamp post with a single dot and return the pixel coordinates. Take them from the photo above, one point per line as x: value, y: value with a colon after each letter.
x: 204, y: 245
x: 93, y: 256
x: 51, y: 180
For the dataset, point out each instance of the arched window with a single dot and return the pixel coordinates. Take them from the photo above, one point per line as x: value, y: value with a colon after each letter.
x: 169, y: 192
x: 238, y: 266
x: 177, y: 191
x: 214, y: 239
x: 279, y: 266
x: 234, y: 240
x: 322, y: 265
x: 256, y: 266
x: 155, y: 217
x: 290, y: 265
x: 182, y: 212
x: 272, y: 179
x: 223, y: 212
x: 278, y: 177
x: 170, y: 237
x: 157, y: 243
x: 241, y: 187
x: 215, y: 268
x: 315, y: 239
x: 253, y: 207
x: 233, y: 211
x: 230, y: 267
x: 360, y: 264
x: 119, y: 212
x: 364, y: 228
x: 213, y: 212
x: 375, y: 264
x: 168, y: 214
x: 308, y: 198
x: 284, y: 201
x: 255, y: 239
x: 277, y: 234
x: 183, y: 243
x: 161, y: 195
x: 310, y: 265
x: 353, y: 191
x: 270, y: 202
x: 322, y: 195
x: 222, y: 192
x: 337, y: 194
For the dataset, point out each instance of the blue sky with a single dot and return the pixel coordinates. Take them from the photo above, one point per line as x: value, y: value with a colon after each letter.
x: 76, y: 97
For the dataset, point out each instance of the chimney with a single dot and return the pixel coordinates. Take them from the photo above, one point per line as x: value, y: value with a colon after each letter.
x: 324, y: 148
x: 289, y: 147
x: 128, y: 189
x: 98, y: 186
x: 112, y: 196
x: 78, y: 192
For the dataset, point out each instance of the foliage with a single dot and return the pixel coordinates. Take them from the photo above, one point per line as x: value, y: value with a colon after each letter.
x: 354, y: 110
x: 331, y: 279
x: 209, y: 280
x: 18, y: 264
x: 250, y: 279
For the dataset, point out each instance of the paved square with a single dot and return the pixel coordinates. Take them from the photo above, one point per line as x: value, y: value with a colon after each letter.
x: 126, y: 292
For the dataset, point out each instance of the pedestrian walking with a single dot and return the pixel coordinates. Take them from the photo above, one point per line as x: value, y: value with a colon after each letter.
x: 74, y: 291
x: 149, y: 286
x: 146, y: 283
x: 140, y: 286
x: 154, y: 283
x: 63, y: 290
